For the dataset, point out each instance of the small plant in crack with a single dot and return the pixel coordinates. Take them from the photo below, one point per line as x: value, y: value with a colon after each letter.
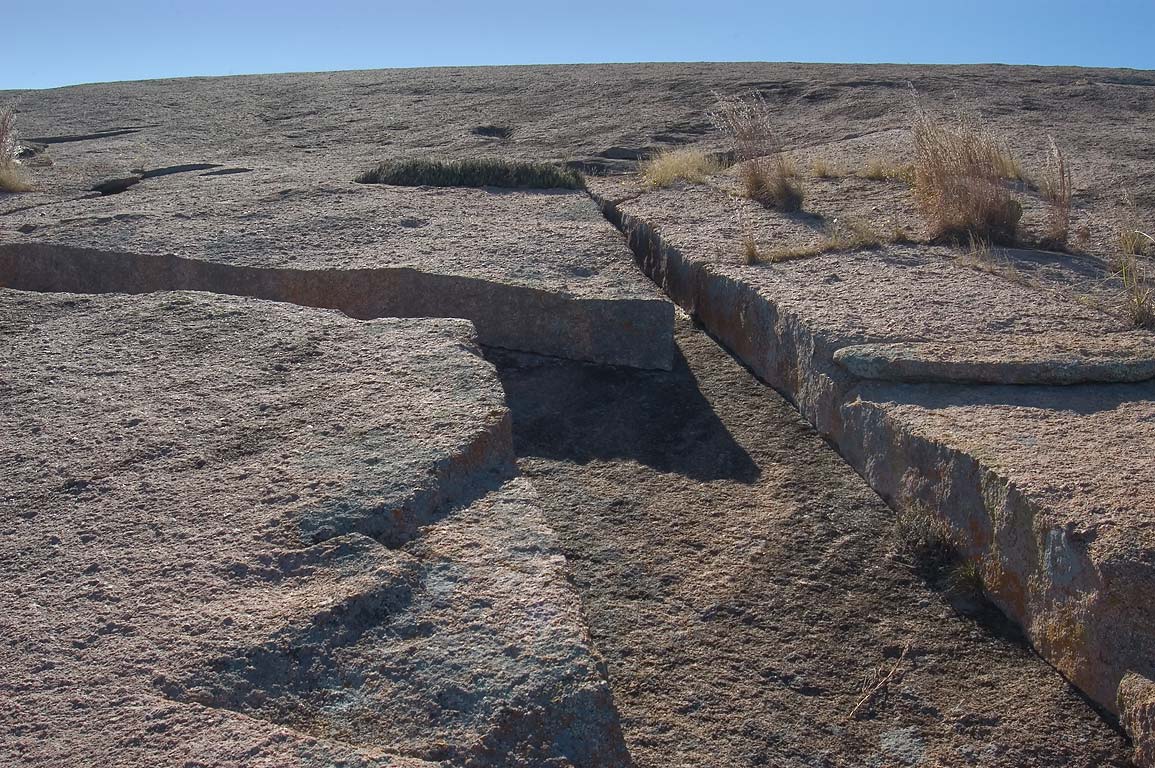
x: 966, y: 579
x: 13, y: 177
x: 929, y: 548
x: 924, y: 541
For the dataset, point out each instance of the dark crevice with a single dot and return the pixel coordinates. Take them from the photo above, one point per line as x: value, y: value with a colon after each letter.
x: 227, y: 171
x: 82, y: 136
x: 185, y: 168
x: 492, y: 131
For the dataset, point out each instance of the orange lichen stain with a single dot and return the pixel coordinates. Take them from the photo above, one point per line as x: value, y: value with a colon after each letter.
x: 1007, y: 589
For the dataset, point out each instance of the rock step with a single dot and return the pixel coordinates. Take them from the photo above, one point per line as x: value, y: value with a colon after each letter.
x: 1058, y: 359
x: 616, y: 331
x: 1058, y: 517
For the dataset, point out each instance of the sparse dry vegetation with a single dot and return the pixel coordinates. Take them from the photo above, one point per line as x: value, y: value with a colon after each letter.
x: 1138, y: 285
x: 750, y: 253
x: 929, y: 548
x: 1083, y: 236
x: 684, y: 164
x: 822, y: 169
x: 1132, y: 240
x: 767, y: 175
x: 966, y: 579
x: 980, y: 257
x: 958, y: 179
x: 13, y: 177
x: 923, y: 539
x: 852, y: 235
x: 880, y: 170
x: 1138, y: 292
x: 482, y: 172
x: 1055, y: 188
x: 840, y: 235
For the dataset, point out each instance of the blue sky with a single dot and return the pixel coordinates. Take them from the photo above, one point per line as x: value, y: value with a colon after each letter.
x: 60, y: 42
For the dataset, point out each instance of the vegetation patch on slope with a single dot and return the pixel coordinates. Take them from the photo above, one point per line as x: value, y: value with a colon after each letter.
x: 479, y: 172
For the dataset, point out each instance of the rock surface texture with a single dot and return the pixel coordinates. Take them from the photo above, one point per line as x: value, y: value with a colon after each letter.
x: 242, y: 532
x: 748, y: 589
x: 1046, y: 489
x: 1137, y: 711
x: 238, y: 532
x: 540, y: 271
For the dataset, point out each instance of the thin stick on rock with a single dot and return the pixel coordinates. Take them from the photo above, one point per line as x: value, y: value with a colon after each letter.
x: 880, y: 685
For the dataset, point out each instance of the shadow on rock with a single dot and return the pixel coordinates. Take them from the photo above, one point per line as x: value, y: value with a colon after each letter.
x: 580, y: 412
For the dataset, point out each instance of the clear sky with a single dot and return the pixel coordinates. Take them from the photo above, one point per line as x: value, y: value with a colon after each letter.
x: 60, y: 42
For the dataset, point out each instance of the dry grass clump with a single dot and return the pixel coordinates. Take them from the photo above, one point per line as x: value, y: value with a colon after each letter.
x: 880, y: 170
x: 750, y: 253
x: 12, y: 175
x: 924, y: 539
x: 793, y: 253
x: 773, y: 182
x: 684, y: 164
x: 1138, y: 290
x: 1009, y: 167
x: 931, y: 550
x: 848, y: 235
x: 1055, y: 188
x: 958, y: 179
x: 1132, y: 242
x: 481, y: 172
x: 767, y: 175
x: 852, y: 235
x: 822, y: 169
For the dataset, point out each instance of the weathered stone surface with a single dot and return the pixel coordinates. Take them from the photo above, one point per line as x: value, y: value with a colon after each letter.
x: 1053, y: 358
x: 1137, y: 714
x: 1049, y: 488
x: 538, y: 271
x: 276, y: 535
x: 742, y: 581
x: 307, y: 135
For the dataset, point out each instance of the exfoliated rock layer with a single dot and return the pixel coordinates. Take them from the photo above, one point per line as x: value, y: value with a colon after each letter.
x: 241, y: 532
x: 536, y: 270
x: 1047, y: 489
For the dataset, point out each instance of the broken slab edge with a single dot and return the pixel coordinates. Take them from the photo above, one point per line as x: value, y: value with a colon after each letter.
x: 1136, y: 704
x: 636, y: 333
x: 925, y: 362
x: 798, y: 362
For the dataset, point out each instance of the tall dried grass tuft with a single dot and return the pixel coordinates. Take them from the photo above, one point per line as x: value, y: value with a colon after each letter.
x: 1055, y: 187
x: 1132, y: 240
x: 12, y: 175
x: 1138, y: 288
x: 767, y: 175
x: 958, y: 180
